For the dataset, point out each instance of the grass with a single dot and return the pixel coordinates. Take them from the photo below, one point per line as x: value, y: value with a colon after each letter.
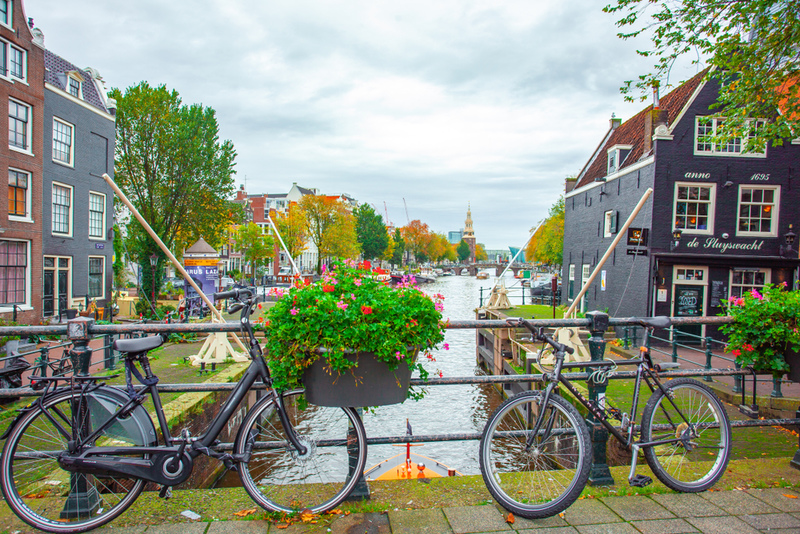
x: 535, y: 311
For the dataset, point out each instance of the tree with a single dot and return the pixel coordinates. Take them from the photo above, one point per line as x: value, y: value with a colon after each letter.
x: 341, y: 238
x: 480, y: 252
x: 330, y: 227
x: 171, y: 165
x: 752, y: 45
x: 371, y: 231
x: 293, y: 229
x: 547, y: 244
x: 462, y: 250
x: 399, y: 248
x: 256, y: 247
x: 438, y: 247
x: 416, y: 235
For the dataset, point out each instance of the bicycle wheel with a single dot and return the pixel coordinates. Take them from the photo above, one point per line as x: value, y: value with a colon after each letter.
x: 691, y: 412
x: 46, y: 496
x: 545, y: 478
x: 280, y: 479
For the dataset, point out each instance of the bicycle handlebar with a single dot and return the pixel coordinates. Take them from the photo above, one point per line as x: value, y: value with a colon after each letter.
x: 540, y: 335
x: 237, y: 293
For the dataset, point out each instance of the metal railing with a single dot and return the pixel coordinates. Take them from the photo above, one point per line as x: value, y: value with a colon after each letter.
x: 81, y: 331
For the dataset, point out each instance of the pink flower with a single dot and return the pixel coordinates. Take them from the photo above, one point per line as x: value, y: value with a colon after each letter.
x: 756, y: 294
x: 446, y: 346
x: 341, y: 305
x: 293, y: 311
x: 398, y: 355
x: 352, y: 296
x: 357, y: 282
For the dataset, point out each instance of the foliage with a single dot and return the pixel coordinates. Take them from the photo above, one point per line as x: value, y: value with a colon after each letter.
x: 463, y: 251
x: 6, y: 339
x: 439, y: 247
x: 417, y: 236
x: 144, y: 309
x: 341, y: 239
x: 170, y: 164
x: 753, y: 45
x: 399, y: 248
x: 328, y: 221
x: 371, y: 232
x: 765, y: 325
x: 236, y: 274
x: 480, y: 252
x: 119, y: 262
x: 256, y: 247
x: 547, y: 244
x: 292, y: 227
x: 349, y: 311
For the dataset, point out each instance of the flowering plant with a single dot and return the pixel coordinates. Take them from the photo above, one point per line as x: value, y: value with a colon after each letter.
x: 765, y: 325
x: 348, y: 311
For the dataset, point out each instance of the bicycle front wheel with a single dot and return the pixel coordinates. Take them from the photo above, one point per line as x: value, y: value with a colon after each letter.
x: 279, y: 478
x: 541, y: 479
x: 46, y: 496
x: 695, y: 425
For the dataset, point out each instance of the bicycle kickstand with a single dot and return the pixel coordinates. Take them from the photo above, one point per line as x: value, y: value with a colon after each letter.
x: 637, y: 481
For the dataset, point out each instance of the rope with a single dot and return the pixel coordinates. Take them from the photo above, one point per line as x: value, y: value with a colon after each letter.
x: 649, y: 207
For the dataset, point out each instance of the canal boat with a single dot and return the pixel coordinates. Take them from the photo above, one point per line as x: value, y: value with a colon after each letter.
x: 482, y: 275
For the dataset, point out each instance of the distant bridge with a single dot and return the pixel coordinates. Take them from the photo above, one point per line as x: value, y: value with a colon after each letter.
x: 473, y: 268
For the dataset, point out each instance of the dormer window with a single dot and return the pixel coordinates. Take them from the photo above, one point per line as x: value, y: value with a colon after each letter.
x: 74, y: 87
x: 706, y: 129
x: 616, y: 157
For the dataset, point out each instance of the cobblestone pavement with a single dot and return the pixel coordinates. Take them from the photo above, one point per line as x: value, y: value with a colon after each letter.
x: 774, y: 510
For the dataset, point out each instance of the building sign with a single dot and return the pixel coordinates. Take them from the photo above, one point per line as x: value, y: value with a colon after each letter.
x: 721, y: 246
x: 719, y: 292
x: 196, y: 262
x: 637, y: 252
x: 637, y: 237
x: 100, y: 246
x: 602, y: 280
x: 206, y: 279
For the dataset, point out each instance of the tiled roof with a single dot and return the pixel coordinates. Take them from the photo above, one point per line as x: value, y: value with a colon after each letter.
x: 631, y: 132
x: 55, y: 70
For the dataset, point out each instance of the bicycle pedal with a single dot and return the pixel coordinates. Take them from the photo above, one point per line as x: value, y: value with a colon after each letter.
x: 165, y: 492
x: 640, y: 481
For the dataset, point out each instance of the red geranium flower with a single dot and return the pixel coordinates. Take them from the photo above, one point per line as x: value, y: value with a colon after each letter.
x: 327, y: 288
x: 366, y: 310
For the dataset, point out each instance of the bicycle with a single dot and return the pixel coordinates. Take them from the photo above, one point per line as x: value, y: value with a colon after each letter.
x: 80, y: 455
x: 535, y: 452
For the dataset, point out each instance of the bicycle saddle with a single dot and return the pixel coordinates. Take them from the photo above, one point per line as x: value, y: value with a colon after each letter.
x: 141, y: 344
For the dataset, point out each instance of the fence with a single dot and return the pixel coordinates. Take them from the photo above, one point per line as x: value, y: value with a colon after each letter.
x: 81, y: 331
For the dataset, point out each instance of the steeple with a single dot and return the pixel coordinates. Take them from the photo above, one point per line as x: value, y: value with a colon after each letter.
x: 468, y: 231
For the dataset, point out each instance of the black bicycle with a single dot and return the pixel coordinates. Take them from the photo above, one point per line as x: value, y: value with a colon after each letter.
x: 81, y: 454
x: 535, y: 451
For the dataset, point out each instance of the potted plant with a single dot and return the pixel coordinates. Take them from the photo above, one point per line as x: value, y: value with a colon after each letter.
x: 337, y: 335
x: 765, y: 332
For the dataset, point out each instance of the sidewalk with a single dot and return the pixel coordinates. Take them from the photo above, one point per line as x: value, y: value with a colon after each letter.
x: 749, y: 511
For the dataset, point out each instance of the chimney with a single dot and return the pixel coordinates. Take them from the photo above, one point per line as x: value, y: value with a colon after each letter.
x: 614, y: 122
x: 569, y: 183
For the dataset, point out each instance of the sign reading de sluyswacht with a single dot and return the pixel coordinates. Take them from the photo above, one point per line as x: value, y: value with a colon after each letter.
x: 718, y: 245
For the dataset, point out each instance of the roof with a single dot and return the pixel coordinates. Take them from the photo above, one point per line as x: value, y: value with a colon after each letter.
x: 200, y: 247
x: 55, y: 73
x: 631, y: 132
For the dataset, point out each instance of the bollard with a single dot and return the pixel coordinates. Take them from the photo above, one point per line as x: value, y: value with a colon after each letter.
x: 709, y: 340
x: 600, y: 475
x: 83, y: 498
x: 109, y: 362
x: 738, y: 380
x: 674, y: 344
x: 776, y: 388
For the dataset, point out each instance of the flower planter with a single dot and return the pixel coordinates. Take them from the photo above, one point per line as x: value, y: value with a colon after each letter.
x: 371, y: 383
x: 793, y: 359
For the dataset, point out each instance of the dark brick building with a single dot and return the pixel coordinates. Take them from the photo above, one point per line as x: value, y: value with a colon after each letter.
x: 735, y: 213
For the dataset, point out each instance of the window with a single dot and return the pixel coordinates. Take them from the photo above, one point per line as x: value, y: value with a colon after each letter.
x: 12, y: 60
x: 13, y: 272
x: 97, y: 215
x: 96, y: 272
x: 19, y: 125
x: 5, y: 12
x: 694, y: 208
x: 689, y: 274
x: 18, y: 193
x: 705, y: 130
x: 62, y: 141
x: 62, y: 209
x: 744, y: 280
x: 571, y: 290
x: 758, y: 211
x: 610, y: 223
x: 587, y: 271
x: 616, y: 157
x: 74, y: 87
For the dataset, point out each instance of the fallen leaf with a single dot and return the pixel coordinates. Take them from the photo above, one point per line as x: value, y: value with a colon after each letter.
x: 510, y: 518
x: 282, y: 526
x: 335, y: 511
x: 788, y: 496
x: 561, y: 515
x: 306, y: 515
x: 245, y: 513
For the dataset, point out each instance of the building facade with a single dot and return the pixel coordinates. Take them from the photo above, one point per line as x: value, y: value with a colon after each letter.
x: 720, y: 220
x: 78, y: 210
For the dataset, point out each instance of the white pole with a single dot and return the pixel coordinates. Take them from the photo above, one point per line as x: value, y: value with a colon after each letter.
x: 277, y: 233
x: 533, y: 233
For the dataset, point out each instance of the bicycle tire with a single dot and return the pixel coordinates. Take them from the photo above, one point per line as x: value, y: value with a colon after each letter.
x: 278, y: 478
x: 49, y: 498
x: 696, y: 467
x: 545, y: 479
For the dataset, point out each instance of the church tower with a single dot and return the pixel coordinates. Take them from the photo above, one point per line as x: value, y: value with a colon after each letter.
x: 469, y: 235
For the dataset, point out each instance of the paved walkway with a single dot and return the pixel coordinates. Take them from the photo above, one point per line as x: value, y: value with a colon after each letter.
x: 729, y: 512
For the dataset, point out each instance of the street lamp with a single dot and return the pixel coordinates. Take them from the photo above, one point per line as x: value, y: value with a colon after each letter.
x: 789, y: 238
x: 153, y: 263
x: 676, y: 239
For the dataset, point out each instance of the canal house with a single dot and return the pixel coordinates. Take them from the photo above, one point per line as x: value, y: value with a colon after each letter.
x: 720, y: 220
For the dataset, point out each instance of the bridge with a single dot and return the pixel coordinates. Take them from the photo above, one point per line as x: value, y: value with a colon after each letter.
x: 473, y: 268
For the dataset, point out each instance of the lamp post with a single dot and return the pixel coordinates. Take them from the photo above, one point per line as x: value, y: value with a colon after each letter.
x: 789, y: 238
x: 676, y: 239
x: 153, y: 263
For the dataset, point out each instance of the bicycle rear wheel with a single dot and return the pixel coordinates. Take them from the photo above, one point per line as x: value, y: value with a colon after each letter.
x: 278, y: 478
x: 694, y: 415
x: 545, y: 478
x: 46, y: 496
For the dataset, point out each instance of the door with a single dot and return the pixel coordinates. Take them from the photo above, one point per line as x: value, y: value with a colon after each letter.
x: 688, y: 303
x: 56, y: 285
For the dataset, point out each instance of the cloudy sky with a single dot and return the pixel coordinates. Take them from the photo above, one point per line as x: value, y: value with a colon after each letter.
x: 444, y: 103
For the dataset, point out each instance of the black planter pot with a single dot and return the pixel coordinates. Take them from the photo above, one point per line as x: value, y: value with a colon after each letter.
x: 793, y: 359
x: 371, y: 383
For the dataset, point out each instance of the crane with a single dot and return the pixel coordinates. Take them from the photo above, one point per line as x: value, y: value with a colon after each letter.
x: 386, y: 211
x: 408, y: 219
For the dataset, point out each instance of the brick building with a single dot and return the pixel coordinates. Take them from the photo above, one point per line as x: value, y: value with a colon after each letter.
x: 720, y: 220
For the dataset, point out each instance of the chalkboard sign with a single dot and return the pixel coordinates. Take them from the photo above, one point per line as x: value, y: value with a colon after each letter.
x: 689, y: 301
x: 719, y: 292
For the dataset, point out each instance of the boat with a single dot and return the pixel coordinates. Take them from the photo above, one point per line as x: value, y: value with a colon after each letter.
x: 482, y: 275
x: 409, y: 465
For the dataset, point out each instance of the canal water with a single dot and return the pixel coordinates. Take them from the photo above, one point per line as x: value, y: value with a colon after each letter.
x: 444, y: 409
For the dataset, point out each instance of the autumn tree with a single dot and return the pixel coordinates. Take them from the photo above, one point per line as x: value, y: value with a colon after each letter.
x: 399, y: 248
x: 371, y: 231
x: 293, y: 229
x: 330, y: 227
x: 480, y: 252
x: 172, y: 166
x: 753, y: 47
x: 462, y: 250
x: 416, y: 235
x: 256, y: 247
x: 547, y: 244
x: 438, y: 247
x: 341, y: 238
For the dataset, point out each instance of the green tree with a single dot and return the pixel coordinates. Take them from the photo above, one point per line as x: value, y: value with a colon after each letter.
x: 462, y: 250
x: 547, y: 244
x: 341, y: 238
x: 330, y: 227
x: 752, y: 46
x: 371, y: 232
x: 293, y: 229
x: 256, y: 247
x: 399, y: 248
x: 171, y: 165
